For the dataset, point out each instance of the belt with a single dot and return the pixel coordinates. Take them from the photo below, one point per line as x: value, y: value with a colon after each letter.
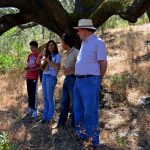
x: 84, y: 76
x: 70, y: 75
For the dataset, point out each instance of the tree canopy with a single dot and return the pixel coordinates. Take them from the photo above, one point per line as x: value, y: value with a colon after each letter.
x: 60, y: 16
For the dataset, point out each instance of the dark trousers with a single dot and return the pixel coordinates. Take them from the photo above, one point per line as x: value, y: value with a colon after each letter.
x: 32, y: 93
x: 67, y: 101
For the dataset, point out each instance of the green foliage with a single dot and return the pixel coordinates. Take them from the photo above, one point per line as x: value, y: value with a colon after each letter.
x: 68, y: 5
x: 116, y: 22
x: 143, y: 19
x: 9, y: 10
x: 118, y: 80
x: 5, y: 63
x: 14, y: 46
x: 121, y: 141
x: 4, y: 142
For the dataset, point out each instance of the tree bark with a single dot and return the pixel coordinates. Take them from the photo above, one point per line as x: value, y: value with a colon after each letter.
x: 137, y: 9
x: 27, y: 25
x: 52, y: 15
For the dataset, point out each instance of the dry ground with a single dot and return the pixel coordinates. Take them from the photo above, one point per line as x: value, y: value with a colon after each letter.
x: 124, y: 121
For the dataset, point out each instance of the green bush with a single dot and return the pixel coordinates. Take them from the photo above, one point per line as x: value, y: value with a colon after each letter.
x: 118, y: 80
x: 4, y: 142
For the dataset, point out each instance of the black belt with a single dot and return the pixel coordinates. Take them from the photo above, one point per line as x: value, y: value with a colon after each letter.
x: 84, y: 76
x: 70, y: 75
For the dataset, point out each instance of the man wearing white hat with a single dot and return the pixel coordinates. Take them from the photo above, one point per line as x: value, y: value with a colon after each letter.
x: 90, y: 68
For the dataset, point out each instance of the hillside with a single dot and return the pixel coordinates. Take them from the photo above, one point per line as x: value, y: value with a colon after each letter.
x: 124, y: 117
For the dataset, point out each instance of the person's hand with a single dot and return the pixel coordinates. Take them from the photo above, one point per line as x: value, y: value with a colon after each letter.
x: 47, y: 60
x: 68, y: 70
x: 24, y: 75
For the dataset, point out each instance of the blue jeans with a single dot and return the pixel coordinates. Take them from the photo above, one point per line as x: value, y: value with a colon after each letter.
x: 48, y: 86
x: 86, y: 95
x: 67, y: 101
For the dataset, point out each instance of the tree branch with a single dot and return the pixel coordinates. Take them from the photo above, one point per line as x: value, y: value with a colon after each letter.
x: 9, y: 21
x: 106, y: 10
x: 78, y: 7
x: 59, y: 15
x: 138, y: 8
x: 125, y: 9
x: 10, y: 3
x: 27, y: 25
x: 86, y: 7
x: 48, y: 13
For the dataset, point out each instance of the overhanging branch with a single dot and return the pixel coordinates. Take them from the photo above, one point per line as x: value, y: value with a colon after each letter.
x: 27, y: 25
x: 106, y: 10
x: 10, y: 3
x: 9, y: 21
x: 138, y: 8
x: 125, y: 9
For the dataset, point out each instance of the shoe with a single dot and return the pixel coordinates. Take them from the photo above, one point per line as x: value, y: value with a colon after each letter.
x: 29, y: 111
x: 34, y: 114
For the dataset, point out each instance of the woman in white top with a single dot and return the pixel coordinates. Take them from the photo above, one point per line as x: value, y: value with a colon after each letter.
x: 52, y: 60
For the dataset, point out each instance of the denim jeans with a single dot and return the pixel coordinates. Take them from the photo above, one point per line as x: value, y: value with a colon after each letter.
x: 86, y: 95
x: 67, y: 101
x: 48, y: 86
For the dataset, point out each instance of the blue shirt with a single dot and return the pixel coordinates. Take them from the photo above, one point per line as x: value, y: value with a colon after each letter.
x: 92, y: 50
x: 51, y: 70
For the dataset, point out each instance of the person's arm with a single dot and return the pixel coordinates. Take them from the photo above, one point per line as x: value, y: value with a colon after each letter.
x: 103, y: 67
x: 55, y: 65
x: 69, y: 70
x: 32, y: 69
x: 26, y: 68
x: 39, y: 58
x: 102, y: 57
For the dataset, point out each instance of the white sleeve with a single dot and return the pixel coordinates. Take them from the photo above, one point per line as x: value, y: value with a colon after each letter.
x: 101, y: 51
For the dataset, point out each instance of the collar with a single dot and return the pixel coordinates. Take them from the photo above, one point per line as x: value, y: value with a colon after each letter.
x: 89, y: 37
x: 53, y: 55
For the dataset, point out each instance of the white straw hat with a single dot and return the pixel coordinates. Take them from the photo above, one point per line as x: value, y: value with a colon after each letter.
x: 85, y: 23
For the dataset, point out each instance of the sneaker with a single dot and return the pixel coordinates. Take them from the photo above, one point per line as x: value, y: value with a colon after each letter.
x: 34, y: 114
x: 29, y: 111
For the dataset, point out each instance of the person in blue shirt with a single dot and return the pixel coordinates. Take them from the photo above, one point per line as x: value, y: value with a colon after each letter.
x: 52, y: 62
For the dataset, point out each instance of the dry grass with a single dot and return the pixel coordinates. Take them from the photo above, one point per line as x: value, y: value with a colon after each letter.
x: 125, y: 125
x: 130, y: 57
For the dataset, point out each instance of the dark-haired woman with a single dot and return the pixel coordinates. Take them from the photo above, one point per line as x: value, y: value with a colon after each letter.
x: 53, y: 61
